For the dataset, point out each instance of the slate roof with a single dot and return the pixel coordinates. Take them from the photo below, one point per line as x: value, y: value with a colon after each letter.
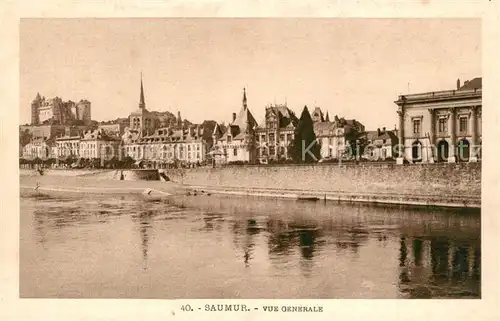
x: 243, y: 124
x: 475, y: 83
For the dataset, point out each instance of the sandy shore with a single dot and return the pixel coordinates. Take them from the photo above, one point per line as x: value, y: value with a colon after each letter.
x: 89, y: 185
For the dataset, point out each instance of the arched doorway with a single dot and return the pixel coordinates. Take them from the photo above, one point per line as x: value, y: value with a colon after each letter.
x: 442, y: 151
x: 463, y: 149
x: 416, y: 151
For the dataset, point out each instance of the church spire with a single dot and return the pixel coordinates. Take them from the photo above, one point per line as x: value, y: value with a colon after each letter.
x: 244, y: 98
x: 327, y: 118
x: 142, y: 103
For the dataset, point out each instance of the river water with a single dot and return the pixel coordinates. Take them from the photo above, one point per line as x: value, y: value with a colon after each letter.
x: 242, y: 248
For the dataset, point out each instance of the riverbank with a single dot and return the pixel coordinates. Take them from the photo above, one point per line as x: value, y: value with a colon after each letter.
x: 430, y: 185
x: 61, y: 184
x: 456, y: 186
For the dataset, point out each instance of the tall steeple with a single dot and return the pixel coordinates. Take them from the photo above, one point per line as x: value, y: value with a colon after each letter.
x: 244, y: 98
x: 142, y: 103
x: 179, y: 119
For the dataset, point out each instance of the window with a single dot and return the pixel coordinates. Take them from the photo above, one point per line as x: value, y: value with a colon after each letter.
x: 189, y: 148
x: 263, y: 138
x: 235, y: 151
x: 271, y: 138
x: 416, y: 126
x: 272, y: 150
x: 463, y: 124
x: 198, y: 155
x: 228, y: 139
x: 289, y: 137
x: 442, y: 125
x: 282, y: 137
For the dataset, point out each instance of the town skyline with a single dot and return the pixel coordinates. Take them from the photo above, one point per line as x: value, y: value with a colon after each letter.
x: 200, y: 66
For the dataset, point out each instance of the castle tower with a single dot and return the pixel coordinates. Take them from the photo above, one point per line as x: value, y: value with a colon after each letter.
x: 35, y: 105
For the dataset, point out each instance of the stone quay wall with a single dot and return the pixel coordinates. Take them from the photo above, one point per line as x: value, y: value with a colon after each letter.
x: 441, y: 182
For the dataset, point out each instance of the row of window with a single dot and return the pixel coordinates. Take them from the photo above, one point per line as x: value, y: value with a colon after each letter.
x: 166, y: 147
x: 167, y: 155
x: 463, y: 125
x: 272, y: 138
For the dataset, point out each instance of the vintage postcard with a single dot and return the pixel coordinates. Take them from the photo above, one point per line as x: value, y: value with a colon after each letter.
x: 220, y: 166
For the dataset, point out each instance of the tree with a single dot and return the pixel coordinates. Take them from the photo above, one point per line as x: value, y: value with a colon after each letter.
x: 357, y: 143
x: 25, y: 137
x: 304, y: 147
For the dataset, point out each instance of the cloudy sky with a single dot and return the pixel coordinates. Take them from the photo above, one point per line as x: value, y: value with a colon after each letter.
x: 350, y: 67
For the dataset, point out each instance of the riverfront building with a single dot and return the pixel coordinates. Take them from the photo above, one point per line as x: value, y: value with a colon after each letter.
x: 237, y: 142
x: 441, y: 126
x: 68, y: 146
x: 381, y: 144
x: 99, y: 144
x: 333, y: 136
x: 167, y: 146
x: 275, y: 134
x: 40, y: 147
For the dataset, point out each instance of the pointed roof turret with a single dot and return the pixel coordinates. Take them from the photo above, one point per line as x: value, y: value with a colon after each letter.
x: 327, y: 118
x: 244, y: 98
x: 142, y: 103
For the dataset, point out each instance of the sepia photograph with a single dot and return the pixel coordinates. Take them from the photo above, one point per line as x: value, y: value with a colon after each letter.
x: 250, y: 158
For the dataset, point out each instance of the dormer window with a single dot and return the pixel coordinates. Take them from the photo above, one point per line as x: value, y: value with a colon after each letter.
x: 228, y: 139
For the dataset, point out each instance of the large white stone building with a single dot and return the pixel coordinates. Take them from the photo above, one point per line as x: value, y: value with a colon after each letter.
x: 441, y: 126
x: 166, y: 146
x: 98, y: 144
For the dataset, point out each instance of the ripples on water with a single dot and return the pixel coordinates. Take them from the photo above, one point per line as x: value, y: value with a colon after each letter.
x: 219, y: 247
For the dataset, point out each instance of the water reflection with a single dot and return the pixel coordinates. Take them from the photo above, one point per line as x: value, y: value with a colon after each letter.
x: 441, y: 267
x: 323, y: 247
x: 145, y: 226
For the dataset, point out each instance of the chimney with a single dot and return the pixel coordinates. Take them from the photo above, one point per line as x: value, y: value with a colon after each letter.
x: 234, y: 117
x: 378, y: 131
x: 458, y: 84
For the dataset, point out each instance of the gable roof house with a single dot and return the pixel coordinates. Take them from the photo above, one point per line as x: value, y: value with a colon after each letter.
x: 238, y: 137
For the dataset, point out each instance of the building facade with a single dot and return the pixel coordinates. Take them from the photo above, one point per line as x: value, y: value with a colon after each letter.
x: 334, y: 136
x: 237, y: 142
x: 381, y: 144
x: 41, y: 147
x: 442, y: 126
x: 68, y: 146
x: 98, y: 144
x: 275, y: 134
x: 167, y: 146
